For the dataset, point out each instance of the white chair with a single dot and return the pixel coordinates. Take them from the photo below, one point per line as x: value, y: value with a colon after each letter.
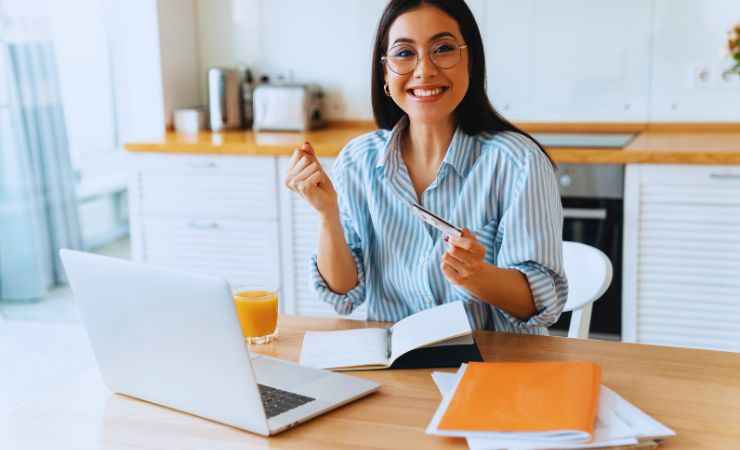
x: 589, y: 273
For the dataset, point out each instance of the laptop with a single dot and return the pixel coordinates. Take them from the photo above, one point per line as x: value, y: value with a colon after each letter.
x: 173, y: 338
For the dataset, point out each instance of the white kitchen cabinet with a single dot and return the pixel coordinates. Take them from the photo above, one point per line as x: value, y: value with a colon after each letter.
x: 244, y: 252
x: 209, y: 214
x: 682, y: 256
x: 300, y: 237
x: 229, y: 216
x: 207, y: 186
x: 548, y: 61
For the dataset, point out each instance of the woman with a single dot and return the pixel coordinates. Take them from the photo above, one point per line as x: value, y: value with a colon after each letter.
x: 442, y: 145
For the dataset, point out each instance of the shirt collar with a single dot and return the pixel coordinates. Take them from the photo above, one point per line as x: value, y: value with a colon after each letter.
x: 392, y: 148
x: 458, y: 156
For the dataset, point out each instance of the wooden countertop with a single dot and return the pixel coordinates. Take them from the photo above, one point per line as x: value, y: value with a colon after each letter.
x: 694, y: 392
x: 655, y: 143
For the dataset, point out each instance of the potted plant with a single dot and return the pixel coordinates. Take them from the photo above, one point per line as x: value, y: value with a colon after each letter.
x: 733, y: 45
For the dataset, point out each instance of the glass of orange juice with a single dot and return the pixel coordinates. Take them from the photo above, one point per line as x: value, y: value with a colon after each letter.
x: 257, y: 310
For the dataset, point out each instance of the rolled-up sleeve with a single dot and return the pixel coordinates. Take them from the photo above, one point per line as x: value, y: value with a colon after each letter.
x: 530, y: 235
x: 343, y: 303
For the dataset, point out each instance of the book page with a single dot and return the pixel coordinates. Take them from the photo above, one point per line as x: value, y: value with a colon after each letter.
x: 429, y: 327
x: 462, y: 340
x: 345, y: 348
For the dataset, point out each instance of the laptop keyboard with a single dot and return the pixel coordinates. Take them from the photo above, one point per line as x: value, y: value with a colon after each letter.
x: 276, y: 401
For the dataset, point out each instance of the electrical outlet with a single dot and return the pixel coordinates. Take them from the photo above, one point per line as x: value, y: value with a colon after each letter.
x: 284, y: 76
x: 727, y: 79
x: 279, y: 77
x: 713, y: 77
x: 700, y: 76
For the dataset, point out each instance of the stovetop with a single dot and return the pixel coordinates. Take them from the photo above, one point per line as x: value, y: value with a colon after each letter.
x: 584, y: 140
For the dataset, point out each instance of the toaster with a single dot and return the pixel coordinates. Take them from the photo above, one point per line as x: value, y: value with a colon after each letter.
x: 287, y: 107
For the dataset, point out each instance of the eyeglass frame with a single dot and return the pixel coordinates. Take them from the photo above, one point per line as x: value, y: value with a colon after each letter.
x: 384, y: 60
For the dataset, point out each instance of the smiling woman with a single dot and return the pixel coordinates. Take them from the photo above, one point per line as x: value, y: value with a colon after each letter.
x: 443, y: 146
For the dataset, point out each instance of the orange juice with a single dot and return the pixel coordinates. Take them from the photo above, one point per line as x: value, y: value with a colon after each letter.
x: 257, y: 312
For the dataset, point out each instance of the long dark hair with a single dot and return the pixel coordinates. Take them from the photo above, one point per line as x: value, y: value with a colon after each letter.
x: 474, y: 114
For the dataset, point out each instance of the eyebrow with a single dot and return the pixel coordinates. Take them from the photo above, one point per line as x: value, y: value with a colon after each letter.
x: 433, y: 38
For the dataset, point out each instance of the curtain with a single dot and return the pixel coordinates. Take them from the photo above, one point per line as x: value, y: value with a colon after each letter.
x: 38, y: 205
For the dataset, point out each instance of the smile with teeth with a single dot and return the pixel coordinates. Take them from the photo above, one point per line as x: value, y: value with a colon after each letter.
x: 427, y: 92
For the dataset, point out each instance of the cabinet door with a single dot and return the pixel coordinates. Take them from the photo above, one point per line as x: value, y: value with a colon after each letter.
x: 300, y: 238
x: 547, y: 61
x: 197, y: 187
x: 682, y: 256
x: 245, y: 253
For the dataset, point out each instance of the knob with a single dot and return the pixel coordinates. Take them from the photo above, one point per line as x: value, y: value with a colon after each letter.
x: 565, y: 180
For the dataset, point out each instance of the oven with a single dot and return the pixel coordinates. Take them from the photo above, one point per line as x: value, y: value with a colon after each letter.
x: 592, y: 197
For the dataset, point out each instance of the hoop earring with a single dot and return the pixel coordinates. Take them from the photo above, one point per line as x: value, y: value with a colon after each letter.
x: 386, y: 90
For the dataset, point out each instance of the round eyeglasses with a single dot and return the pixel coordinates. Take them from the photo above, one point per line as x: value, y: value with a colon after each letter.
x: 402, y: 59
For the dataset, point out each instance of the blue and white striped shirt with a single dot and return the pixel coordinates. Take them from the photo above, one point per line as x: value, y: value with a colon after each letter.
x: 501, y: 187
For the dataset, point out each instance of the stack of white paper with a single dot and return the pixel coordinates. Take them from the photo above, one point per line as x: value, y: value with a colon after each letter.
x: 618, y: 422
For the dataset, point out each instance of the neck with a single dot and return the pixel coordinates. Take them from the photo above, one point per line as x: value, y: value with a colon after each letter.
x: 427, y: 143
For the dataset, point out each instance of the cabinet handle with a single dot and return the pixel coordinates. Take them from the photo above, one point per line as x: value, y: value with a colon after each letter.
x: 203, y: 225
x: 584, y: 213
x: 725, y: 176
x: 201, y: 164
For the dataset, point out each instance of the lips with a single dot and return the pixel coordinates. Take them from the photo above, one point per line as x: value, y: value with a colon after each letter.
x: 427, y: 92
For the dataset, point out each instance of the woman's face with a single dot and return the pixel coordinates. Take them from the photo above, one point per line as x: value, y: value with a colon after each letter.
x: 429, y: 93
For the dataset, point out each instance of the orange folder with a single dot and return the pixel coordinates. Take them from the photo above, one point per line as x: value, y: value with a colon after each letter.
x: 521, y: 397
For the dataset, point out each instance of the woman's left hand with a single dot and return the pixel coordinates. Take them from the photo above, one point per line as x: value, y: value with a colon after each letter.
x: 464, y: 260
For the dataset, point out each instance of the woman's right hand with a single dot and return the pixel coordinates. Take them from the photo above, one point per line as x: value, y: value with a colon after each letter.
x: 306, y: 177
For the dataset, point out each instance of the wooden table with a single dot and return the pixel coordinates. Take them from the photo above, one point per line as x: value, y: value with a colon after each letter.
x: 695, y: 392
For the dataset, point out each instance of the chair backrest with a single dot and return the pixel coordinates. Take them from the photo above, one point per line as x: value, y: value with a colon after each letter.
x: 589, y: 273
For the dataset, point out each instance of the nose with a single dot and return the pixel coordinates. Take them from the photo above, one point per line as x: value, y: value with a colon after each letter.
x: 425, y: 67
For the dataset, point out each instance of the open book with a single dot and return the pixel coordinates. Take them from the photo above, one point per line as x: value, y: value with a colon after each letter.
x: 436, y: 337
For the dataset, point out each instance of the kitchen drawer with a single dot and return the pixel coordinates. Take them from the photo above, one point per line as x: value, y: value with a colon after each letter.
x: 240, y: 251
x: 717, y: 177
x: 216, y: 165
x: 245, y: 191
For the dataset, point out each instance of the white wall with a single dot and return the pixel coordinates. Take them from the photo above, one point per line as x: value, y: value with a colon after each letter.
x: 689, y: 37
x: 564, y: 60
x: 228, y: 35
x: 83, y: 65
x: 135, y: 52
x: 569, y: 59
x: 178, y: 36
x: 323, y: 41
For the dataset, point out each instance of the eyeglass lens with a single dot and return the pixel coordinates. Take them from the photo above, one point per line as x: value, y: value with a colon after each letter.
x: 403, y: 58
